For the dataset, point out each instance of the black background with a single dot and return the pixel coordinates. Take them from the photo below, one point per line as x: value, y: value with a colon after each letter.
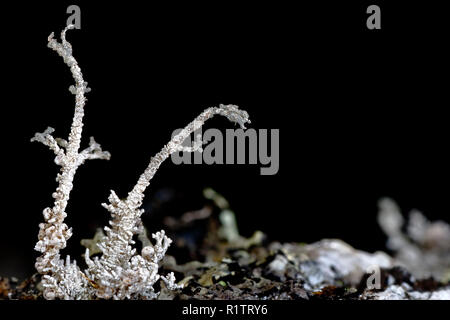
x: 361, y: 113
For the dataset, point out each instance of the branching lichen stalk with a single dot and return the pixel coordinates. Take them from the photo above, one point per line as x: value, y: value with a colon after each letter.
x: 54, y: 233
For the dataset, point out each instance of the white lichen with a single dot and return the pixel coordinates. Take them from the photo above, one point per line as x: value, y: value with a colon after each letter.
x: 120, y: 272
x: 63, y: 279
x: 405, y: 292
x: 424, y: 249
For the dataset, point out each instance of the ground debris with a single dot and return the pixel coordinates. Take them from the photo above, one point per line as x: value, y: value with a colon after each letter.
x: 224, y: 265
x: 5, y: 288
x: 28, y: 289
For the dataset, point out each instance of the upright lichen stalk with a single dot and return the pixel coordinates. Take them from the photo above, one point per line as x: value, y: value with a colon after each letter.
x: 54, y: 233
x: 120, y: 272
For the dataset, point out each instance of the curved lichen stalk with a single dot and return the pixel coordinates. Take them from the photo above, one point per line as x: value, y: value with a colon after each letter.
x: 119, y: 263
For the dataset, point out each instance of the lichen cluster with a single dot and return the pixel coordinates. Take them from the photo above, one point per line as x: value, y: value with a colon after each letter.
x: 120, y: 272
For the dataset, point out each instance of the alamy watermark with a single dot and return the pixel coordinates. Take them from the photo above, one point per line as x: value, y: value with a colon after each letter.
x: 231, y: 149
x: 237, y: 146
x: 374, y: 280
x: 75, y: 16
x: 374, y: 20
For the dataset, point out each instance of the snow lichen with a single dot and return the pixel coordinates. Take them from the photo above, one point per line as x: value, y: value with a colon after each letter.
x: 120, y: 272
